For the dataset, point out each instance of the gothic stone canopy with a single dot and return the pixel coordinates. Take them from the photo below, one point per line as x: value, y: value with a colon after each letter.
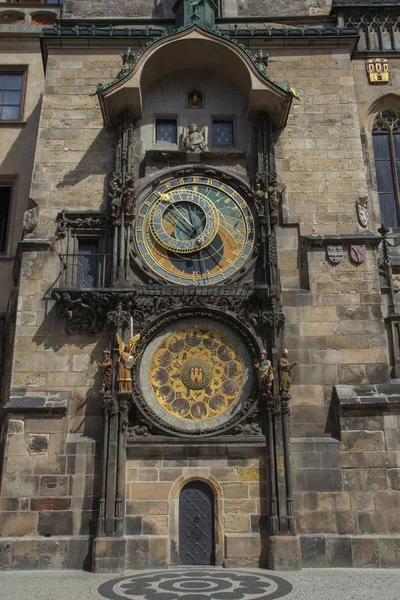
x: 195, y: 48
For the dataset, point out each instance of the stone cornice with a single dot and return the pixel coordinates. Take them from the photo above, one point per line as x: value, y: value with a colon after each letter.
x: 381, y: 395
x: 319, y: 240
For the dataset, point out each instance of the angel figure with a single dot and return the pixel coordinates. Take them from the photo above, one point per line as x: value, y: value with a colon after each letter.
x: 125, y: 363
x: 195, y: 139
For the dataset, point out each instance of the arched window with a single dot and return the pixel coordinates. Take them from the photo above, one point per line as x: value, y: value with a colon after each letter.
x: 386, y: 143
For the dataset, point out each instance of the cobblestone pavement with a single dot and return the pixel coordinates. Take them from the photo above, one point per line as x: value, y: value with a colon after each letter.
x: 203, y: 584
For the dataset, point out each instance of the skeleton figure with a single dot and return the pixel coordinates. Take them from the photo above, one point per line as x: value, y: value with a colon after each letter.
x: 195, y: 139
x: 128, y: 197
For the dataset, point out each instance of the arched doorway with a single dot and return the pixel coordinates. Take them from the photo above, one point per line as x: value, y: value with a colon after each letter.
x: 196, y: 525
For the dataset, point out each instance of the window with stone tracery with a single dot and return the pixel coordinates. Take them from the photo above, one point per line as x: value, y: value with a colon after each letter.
x: 386, y: 144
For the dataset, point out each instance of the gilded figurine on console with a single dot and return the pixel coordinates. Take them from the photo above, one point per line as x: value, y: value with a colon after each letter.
x: 125, y: 363
x: 265, y: 372
x: 285, y: 368
x: 107, y: 367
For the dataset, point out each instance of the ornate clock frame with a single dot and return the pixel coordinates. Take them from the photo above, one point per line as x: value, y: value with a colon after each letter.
x: 136, y: 300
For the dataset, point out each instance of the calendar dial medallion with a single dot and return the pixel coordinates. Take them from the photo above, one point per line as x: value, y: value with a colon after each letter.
x: 194, y: 231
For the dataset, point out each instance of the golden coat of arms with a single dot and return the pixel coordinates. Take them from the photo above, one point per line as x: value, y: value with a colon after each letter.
x: 378, y: 70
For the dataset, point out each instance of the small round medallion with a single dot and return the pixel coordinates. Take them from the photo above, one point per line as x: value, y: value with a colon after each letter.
x: 196, y: 374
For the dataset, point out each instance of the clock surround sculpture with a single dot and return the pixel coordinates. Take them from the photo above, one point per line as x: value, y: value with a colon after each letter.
x: 152, y: 289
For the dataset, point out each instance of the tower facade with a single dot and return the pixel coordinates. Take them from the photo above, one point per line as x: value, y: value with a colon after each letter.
x: 204, y: 354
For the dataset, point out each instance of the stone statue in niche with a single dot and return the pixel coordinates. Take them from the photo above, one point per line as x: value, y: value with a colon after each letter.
x: 107, y: 367
x: 265, y: 372
x: 128, y: 197
x: 195, y: 99
x: 285, y: 368
x: 195, y: 138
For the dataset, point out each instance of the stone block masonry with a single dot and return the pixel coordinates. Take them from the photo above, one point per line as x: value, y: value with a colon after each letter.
x: 155, y: 478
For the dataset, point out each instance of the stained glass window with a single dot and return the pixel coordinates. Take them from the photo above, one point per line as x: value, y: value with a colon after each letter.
x: 386, y: 143
x: 222, y: 132
x: 166, y: 131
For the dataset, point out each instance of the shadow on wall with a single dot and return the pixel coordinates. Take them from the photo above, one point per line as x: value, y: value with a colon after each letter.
x: 99, y: 159
x: 19, y: 162
x: 163, y: 9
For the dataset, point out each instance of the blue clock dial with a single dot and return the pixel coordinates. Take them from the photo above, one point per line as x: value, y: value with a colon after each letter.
x: 194, y: 231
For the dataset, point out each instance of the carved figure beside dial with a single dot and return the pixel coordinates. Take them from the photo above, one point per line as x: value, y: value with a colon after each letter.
x: 194, y: 231
x: 265, y: 373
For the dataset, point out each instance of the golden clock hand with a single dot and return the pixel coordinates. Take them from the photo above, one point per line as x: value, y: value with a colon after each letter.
x: 167, y: 198
x: 170, y: 217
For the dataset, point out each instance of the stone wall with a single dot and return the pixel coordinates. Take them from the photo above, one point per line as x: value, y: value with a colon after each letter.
x: 163, y: 8
x: 17, y: 149
x: 350, y: 490
x: 168, y: 97
x: 155, y: 477
x: 334, y: 314
x: 50, y: 480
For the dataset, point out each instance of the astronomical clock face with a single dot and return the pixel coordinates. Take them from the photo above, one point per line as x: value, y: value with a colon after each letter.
x: 194, y: 231
x: 196, y: 376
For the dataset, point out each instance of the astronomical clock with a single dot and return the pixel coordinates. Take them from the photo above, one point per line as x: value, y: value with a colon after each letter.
x: 195, y: 375
x: 194, y: 230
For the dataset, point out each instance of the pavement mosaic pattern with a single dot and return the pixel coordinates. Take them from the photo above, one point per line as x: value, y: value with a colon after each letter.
x: 309, y: 584
x: 196, y: 585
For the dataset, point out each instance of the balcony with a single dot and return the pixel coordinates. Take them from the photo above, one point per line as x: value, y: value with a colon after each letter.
x: 85, y: 270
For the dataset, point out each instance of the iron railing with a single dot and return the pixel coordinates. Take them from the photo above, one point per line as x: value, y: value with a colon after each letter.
x: 84, y: 270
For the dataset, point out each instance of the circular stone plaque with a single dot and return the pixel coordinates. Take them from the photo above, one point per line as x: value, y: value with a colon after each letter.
x: 195, y: 375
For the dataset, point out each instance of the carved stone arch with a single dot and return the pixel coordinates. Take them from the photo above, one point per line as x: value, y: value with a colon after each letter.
x: 375, y: 115
x: 385, y: 102
x: 146, y: 183
x: 195, y: 48
x: 195, y: 474
x: 43, y: 17
x: 12, y: 17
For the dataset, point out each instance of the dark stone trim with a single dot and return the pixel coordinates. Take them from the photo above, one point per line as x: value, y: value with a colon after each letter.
x: 86, y: 31
x: 30, y: 244
x: 364, y: 4
x: 54, y: 402
x: 321, y: 239
x: 382, y: 395
x: 227, y: 440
